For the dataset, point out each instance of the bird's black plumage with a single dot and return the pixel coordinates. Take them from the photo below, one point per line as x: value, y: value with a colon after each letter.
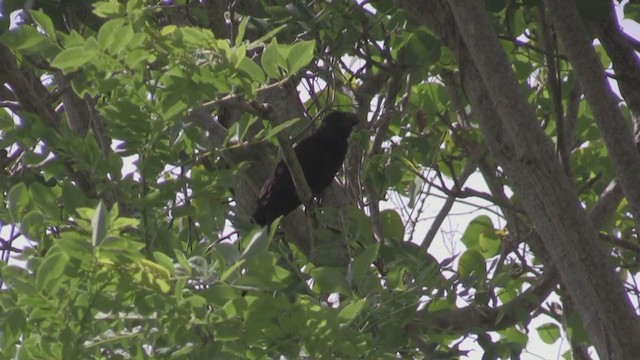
x: 320, y: 156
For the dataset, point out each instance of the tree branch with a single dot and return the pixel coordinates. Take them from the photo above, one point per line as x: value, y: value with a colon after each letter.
x: 616, y: 134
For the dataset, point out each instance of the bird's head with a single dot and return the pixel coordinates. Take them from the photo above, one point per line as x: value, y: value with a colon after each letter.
x: 340, y: 120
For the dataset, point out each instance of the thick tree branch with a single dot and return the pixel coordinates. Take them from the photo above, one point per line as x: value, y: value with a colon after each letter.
x: 626, y: 63
x: 32, y: 95
x: 615, y: 131
x: 487, y: 318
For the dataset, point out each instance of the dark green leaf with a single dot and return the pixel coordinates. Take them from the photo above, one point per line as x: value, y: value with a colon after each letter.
x: 33, y: 225
x: 351, y: 310
x: 50, y: 273
x: 329, y: 280
x: 360, y: 265
x: 392, y: 225
x: 470, y: 263
x: 18, y: 201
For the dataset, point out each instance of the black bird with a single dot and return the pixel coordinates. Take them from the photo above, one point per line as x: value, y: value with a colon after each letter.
x: 320, y: 156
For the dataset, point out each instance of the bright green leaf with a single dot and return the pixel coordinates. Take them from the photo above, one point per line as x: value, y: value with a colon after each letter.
x: 44, y: 22
x: 300, y: 55
x: 164, y: 260
x: 242, y: 28
x: 25, y: 38
x: 107, y: 9
x: 252, y: 69
x: 71, y: 59
x: 107, y: 32
x: 121, y: 38
x: 549, y: 332
x: 99, y: 224
x: 479, y: 225
x: 269, y: 60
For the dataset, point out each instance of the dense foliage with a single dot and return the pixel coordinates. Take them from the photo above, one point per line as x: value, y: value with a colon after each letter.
x: 137, y: 133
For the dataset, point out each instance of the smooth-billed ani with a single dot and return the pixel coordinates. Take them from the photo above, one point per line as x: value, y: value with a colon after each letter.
x: 320, y: 156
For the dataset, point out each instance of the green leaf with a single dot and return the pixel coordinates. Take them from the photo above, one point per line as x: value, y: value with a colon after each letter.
x: 165, y: 261
x: 270, y: 60
x: 549, y: 332
x: 576, y: 330
x: 242, y: 28
x: 137, y: 57
x: 91, y: 45
x: 73, y: 198
x: 489, y: 244
x: 351, y: 311
x: 271, y: 132
x: 515, y: 336
x: 472, y: 263
x: 421, y: 49
x: 25, y: 38
x: 14, y: 323
x: 19, y: 279
x: 328, y: 280
x: 44, y: 22
x: 219, y: 294
x: 361, y: 228
x: 49, y: 275
x: 45, y: 198
x: 71, y: 59
x: 258, y: 243
x: 300, y: 55
x: 18, y: 201
x: 252, y: 69
x: 107, y: 32
x: 481, y: 235
x: 107, y: 9
x: 361, y: 264
x: 392, y: 225
x: 99, y: 224
x: 33, y: 225
x: 75, y: 245
x: 121, y: 38
x: 268, y: 35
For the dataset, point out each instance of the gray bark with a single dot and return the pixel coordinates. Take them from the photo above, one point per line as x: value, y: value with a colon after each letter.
x: 616, y: 132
